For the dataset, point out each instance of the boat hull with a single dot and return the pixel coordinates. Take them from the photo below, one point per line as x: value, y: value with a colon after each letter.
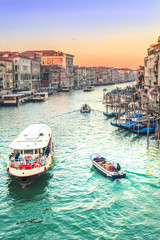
x: 85, y: 111
x: 87, y: 90
x: 108, y: 114
x: 143, y: 131
x: 28, y: 174
x: 114, y: 114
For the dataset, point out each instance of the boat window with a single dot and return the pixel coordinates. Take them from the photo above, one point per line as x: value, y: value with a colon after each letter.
x: 21, y: 151
x: 9, y: 98
x: 30, y: 151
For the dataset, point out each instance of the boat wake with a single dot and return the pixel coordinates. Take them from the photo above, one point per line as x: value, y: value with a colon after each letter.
x: 63, y: 114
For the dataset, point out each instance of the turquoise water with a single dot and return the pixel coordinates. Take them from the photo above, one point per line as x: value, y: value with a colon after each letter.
x: 73, y: 200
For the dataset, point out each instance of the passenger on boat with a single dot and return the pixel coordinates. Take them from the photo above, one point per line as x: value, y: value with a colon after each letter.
x: 44, y: 150
x: 47, y: 150
x: 118, y: 167
x: 17, y: 155
x: 11, y: 156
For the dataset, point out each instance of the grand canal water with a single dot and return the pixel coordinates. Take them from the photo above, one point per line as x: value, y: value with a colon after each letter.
x: 72, y: 200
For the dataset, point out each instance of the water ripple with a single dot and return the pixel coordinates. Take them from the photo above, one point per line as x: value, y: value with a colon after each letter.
x: 73, y: 200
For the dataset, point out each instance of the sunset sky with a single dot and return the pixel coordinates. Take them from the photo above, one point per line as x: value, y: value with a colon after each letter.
x: 98, y: 32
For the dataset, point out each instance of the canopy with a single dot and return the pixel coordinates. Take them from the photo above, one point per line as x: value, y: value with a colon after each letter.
x: 33, y: 137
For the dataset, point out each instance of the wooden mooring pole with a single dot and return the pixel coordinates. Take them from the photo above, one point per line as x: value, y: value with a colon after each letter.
x: 148, y: 125
x: 107, y: 108
x: 157, y: 127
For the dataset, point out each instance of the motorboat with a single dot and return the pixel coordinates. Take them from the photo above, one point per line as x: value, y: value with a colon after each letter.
x: 85, y: 108
x: 63, y: 89
x: 106, y: 167
x: 88, y: 89
x: 40, y: 97
x: 32, y: 152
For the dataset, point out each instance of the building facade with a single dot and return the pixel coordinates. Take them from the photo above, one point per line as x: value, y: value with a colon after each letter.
x: 26, y: 72
x: 140, y: 76
x: 6, y: 74
x: 152, y: 66
x: 53, y: 58
x: 35, y: 72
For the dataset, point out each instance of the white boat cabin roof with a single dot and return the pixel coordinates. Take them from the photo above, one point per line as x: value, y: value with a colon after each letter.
x: 33, y: 137
x: 26, y: 92
x: 13, y: 95
x: 41, y: 93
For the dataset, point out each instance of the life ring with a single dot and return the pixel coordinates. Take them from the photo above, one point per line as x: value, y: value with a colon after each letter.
x: 37, y: 163
x: 12, y: 165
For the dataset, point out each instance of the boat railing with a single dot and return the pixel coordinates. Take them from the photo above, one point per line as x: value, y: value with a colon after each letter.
x: 27, y: 162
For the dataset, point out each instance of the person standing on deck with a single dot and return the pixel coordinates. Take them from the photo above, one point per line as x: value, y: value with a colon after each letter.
x: 17, y: 155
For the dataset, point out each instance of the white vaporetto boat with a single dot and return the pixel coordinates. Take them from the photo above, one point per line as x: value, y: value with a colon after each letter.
x: 12, y: 99
x: 32, y: 152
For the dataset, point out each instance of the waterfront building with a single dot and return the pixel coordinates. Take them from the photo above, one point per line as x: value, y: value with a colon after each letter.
x: 126, y: 74
x: 63, y: 60
x: 58, y: 77
x: 45, y: 76
x: 52, y: 76
x: 6, y: 74
x: 35, y: 72
x: 26, y: 72
x: 2, y: 76
x: 84, y: 76
x: 121, y: 75
x: 152, y: 66
x: 79, y: 77
x: 114, y: 75
x: 102, y: 75
x: 90, y: 76
x: 152, y: 71
x: 140, y: 76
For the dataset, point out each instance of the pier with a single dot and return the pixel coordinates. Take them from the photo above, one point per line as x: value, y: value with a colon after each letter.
x: 133, y: 112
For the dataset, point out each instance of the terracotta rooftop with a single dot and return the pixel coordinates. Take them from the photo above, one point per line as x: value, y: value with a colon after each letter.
x: 4, y: 59
x: 40, y: 52
x: 18, y: 56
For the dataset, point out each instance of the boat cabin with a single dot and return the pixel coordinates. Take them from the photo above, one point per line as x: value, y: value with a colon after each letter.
x: 13, y: 99
x: 31, y: 148
x: 42, y: 96
x: 27, y: 95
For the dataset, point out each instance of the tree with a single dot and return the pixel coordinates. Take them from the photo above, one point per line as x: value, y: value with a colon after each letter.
x: 141, y: 80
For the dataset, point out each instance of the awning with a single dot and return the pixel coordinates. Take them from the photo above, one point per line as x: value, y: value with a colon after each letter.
x: 154, y: 93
